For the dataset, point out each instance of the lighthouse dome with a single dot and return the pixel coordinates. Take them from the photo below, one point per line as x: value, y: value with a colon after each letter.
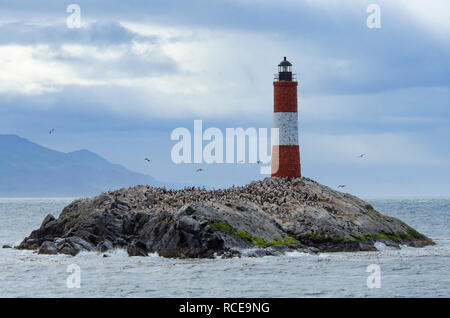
x: 285, y: 62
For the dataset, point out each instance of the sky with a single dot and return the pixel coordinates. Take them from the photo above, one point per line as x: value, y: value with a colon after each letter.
x: 134, y: 71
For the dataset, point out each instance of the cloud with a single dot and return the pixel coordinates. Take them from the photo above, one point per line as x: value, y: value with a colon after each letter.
x: 233, y: 47
x: 99, y: 33
x: 21, y: 73
x: 433, y: 15
x: 173, y: 72
x: 37, y: 59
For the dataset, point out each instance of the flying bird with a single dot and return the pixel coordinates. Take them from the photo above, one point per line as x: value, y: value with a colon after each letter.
x: 198, y: 170
x: 51, y: 131
x: 259, y: 162
x: 361, y: 155
x: 341, y: 186
x: 146, y: 159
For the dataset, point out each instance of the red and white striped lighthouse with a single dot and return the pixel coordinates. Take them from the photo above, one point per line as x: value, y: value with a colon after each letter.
x: 285, y: 154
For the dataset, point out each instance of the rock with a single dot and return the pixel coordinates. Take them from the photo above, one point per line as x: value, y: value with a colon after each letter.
x: 79, y: 243
x: 48, y: 248
x: 229, y: 254
x: 6, y: 246
x: 186, y: 253
x: 267, y: 217
x: 104, y: 246
x: 49, y: 218
x: 29, y: 244
x: 312, y: 250
x: 171, y: 253
x: 137, y: 248
x: 136, y: 251
x: 69, y: 250
x: 259, y: 253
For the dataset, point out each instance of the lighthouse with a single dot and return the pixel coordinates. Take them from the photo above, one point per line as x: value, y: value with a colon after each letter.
x: 285, y: 154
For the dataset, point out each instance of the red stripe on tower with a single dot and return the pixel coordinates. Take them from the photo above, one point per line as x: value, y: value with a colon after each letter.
x: 286, y: 154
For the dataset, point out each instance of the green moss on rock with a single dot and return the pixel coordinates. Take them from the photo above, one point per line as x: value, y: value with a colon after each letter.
x: 224, y: 227
x: 397, y: 237
x: 318, y: 236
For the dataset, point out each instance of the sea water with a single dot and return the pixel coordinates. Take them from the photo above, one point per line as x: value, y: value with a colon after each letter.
x: 405, y: 272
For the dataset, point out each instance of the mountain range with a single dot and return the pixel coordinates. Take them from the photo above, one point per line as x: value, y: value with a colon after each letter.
x: 30, y: 170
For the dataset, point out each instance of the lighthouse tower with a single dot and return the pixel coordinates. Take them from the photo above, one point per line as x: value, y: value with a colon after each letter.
x: 285, y: 154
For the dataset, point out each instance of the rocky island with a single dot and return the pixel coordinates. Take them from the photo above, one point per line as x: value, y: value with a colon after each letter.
x: 264, y: 217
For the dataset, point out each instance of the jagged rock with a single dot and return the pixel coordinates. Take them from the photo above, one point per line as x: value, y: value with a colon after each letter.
x: 48, y: 248
x: 68, y: 249
x: 79, y: 243
x: 104, y: 246
x: 261, y: 253
x: 273, y: 215
x: 229, y: 254
x: 136, y: 251
x: 137, y: 248
x: 49, y: 218
x: 186, y: 253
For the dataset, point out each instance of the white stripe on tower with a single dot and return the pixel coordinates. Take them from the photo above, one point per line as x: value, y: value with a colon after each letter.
x: 287, y: 124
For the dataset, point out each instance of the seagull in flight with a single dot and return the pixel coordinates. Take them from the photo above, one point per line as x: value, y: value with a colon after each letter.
x: 51, y: 131
x: 198, y: 170
x: 361, y: 155
x: 259, y: 162
x: 146, y: 159
x: 341, y: 186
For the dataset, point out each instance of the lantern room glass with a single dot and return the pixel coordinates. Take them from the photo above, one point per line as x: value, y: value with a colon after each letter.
x: 284, y: 68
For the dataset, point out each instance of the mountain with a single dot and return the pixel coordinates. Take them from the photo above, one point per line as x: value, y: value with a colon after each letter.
x: 30, y: 170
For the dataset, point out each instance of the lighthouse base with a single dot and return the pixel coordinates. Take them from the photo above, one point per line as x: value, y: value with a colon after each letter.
x: 286, y: 161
